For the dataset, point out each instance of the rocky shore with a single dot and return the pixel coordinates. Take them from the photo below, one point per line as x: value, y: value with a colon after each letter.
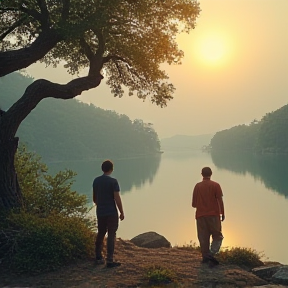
x: 186, y: 264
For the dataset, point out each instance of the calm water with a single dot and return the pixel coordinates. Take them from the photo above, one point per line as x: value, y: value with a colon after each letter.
x: 156, y: 195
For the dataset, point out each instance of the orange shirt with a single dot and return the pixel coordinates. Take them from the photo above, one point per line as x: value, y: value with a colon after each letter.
x: 207, y: 198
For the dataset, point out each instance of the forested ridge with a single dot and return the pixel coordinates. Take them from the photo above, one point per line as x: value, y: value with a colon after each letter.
x: 269, y: 135
x: 70, y: 130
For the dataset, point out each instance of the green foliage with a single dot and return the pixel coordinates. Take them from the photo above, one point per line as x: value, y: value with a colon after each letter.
x: 157, y: 274
x: 53, y: 227
x: 273, y: 135
x: 45, y: 194
x: 244, y: 257
x: 266, y: 136
x: 138, y: 37
x: 241, y: 137
x: 40, y: 244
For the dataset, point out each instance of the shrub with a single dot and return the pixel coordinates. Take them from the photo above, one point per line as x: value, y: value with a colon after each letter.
x: 245, y: 257
x: 157, y: 274
x: 35, y: 244
x: 44, y: 194
x: 52, y: 228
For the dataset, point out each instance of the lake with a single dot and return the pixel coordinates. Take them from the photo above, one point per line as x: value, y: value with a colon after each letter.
x: 156, y: 195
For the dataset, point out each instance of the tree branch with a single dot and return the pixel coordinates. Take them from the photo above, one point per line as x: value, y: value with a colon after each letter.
x: 9, y: 9
x: 86, y: 49
x: 44, y: 13
x: 14, y: 60
x: 33, y: 13
x: 96, y: 63
x: 101, y: 42
x: 13, y: 27
x: 65, y: 10
x: 41, y: 89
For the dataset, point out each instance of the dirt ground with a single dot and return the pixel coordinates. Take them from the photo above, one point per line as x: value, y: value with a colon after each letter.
x: 186, y: 264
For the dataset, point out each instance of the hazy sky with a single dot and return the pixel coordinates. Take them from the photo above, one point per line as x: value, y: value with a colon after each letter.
x: 235, y: 69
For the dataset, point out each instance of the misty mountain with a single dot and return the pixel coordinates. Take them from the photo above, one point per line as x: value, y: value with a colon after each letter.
x: 185, y: 142
x: 70, y: 130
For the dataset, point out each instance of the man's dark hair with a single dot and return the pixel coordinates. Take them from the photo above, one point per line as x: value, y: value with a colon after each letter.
x: 107, y: 166
x: 206, y: 172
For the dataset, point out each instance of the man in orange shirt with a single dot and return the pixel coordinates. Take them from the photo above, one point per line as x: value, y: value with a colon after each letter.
x: 207, y: 199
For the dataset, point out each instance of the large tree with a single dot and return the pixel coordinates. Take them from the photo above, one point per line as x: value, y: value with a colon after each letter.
x: 125, y: 41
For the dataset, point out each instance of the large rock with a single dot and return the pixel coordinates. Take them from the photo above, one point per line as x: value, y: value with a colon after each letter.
x: 151, y: 240
x: 281, y: 276
x: 266, y: 272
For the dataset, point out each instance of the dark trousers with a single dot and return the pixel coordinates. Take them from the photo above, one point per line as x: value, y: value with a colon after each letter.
x: 106, y: 224
x: 208, y: 226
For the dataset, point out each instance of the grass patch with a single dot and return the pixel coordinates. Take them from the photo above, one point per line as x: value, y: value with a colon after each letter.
x: 157, y: 275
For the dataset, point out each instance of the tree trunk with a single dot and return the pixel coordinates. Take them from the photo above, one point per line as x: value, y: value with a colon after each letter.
x: 10, y: 193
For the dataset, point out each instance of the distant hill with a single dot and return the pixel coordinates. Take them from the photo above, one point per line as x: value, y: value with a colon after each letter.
x: 270, y: 134
x: 70, y: 130
x: 186, y: 142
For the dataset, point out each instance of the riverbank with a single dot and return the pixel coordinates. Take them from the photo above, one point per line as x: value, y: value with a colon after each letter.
x: 186, y: 264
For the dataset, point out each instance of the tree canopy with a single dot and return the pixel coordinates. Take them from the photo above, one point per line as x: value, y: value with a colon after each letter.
x: 128, y: 38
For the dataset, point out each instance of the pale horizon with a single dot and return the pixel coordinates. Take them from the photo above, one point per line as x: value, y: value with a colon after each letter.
x: 235, y: 70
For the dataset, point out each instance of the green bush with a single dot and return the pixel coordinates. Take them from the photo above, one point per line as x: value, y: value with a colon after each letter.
x: 245, y: 257
x: 40, y: 244
x: 157, y: 274
x: 45, y: 194
x: 52, y: 228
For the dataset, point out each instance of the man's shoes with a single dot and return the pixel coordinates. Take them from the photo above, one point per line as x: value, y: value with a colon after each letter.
x: 99, y: 261
x: 112, y: 264
x: 213, y: 260
x: 205, y: 260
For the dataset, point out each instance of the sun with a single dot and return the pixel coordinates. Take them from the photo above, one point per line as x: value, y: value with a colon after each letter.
x: 212, y: 50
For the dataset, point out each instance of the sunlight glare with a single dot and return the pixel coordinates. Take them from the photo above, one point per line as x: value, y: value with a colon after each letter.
x: 212, y: 50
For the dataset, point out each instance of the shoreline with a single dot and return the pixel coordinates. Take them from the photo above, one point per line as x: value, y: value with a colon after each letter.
x: 103, y: 158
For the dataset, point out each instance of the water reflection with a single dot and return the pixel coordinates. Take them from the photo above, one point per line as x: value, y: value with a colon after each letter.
x: 130, y: 172
x: 136, y: 172
x: 270, y: 169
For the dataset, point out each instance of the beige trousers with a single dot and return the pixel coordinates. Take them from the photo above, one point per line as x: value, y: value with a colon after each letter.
x: 208, y: 226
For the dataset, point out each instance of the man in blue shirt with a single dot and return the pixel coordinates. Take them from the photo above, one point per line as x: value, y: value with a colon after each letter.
x: 106, y: 196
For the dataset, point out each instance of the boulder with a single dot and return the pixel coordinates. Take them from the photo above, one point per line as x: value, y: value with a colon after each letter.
x: 281, y: 276
x: 266, y: 272
x: 151, y: 240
